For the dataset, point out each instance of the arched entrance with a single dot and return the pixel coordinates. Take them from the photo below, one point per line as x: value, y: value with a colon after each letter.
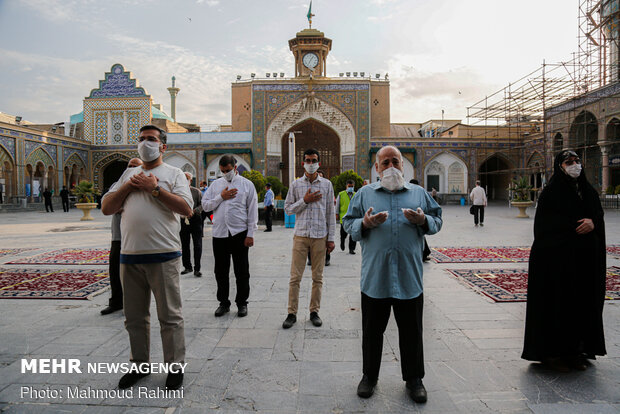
x: 558, y: 143
x: 613, y: 136
x: 494, y: 176
x: 112, y: 172
x: 6, y: 176
x: 583, y: 137
x: 312, y: 134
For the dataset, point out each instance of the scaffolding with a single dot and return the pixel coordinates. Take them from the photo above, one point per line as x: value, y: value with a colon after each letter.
x: 520, y: 111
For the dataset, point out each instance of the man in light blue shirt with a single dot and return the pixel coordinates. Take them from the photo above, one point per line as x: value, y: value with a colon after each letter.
x: 268, y: 203
x: 392, y: 240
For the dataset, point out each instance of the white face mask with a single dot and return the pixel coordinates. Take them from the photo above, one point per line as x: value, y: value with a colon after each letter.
x: 311, y: 168
x: 148, y: 150
x: 392, y: 179
x: 229, y: 175
x: 573, y: 170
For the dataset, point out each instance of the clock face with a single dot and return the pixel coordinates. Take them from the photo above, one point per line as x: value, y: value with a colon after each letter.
x: 310, y: 60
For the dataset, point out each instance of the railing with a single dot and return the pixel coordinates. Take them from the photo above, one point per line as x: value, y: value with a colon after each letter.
x: 611, y: 201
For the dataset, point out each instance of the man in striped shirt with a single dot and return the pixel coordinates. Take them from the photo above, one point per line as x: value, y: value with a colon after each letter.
x: 311, y: 199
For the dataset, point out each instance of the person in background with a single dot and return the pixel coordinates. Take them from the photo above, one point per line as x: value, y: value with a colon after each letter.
x: 268, y: 203
x: 567, y: 272
x: 47, y: 196
x: 191, y: 227
x: 115, y: 302
x: 479, y: 199
x: 64, y: 196
x: 342, y: 204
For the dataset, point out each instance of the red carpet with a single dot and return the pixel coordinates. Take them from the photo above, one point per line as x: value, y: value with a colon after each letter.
x: 12, y: 252
x: 510, y: 285
x: 68, y: 257
x: 511, y: 254
x: 614, y: 250
x: 51, y: 284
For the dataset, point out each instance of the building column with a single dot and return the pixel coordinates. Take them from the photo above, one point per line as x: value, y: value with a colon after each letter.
x: 605, y: 167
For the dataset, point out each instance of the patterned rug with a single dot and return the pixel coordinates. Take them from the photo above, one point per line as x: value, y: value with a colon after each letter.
x: 68, y: 257
x: 512, y: 254
x: 614, y: 250
x: 13, y: 252
x: 51, y: 284
x: 510, y: 285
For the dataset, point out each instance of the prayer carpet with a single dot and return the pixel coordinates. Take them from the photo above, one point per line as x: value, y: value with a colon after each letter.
x: 68, y: 257
x: 511, y: 254
x: 510, y: 285
x: 12, y: 252
x: 51, y: 284
x: 614, y: 250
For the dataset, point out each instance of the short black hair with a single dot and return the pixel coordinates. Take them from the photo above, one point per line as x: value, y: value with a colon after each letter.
x: 228, y: 159
x: 312, y: 151
x: 268, y: 185
x: 414, y: 181
x: 163, y: 138
x: 350, y: 182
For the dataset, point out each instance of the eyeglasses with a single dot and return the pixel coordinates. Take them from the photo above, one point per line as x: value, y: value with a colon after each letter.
x: 572, y: 161
x: 311, y: 161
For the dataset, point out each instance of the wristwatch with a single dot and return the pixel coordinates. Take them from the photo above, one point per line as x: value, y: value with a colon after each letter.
x: 155, y: 192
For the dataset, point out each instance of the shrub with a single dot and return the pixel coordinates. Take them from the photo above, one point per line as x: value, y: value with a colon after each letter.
x: 284, y: 192
x: 85, y: 192
x: 340, y: 181
x: 610, y: 190
x: 521, y: 189
x: 258, y: 180
x: 276, y: 184
x: 617, y: 189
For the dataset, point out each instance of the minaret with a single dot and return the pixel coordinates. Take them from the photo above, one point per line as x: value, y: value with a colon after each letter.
x: 173, y: 99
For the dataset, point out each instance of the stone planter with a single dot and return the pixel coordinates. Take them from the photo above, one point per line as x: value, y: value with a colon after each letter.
x: 86, y: 207
x: 522, y: 206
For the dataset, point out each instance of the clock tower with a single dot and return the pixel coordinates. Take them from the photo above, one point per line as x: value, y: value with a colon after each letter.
x: 310, y: 48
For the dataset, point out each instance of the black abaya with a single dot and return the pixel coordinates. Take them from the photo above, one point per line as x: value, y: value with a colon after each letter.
x: 566, y: 276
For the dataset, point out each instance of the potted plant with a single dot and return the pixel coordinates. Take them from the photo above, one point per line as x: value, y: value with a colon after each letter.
x: 85, y: 194
x: 521, y: 191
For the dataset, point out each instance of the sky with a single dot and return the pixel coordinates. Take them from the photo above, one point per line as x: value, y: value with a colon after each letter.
x: 439, y: 54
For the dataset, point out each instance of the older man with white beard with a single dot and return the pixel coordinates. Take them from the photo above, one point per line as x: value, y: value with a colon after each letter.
x: 392, y: 241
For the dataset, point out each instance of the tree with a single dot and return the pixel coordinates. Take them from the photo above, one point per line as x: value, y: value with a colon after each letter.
x: 258, y: 180
x: 340, y: 181
x: 276, y: 184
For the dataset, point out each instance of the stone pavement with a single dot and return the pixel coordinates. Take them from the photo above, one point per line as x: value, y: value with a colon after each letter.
x: 238, y: 365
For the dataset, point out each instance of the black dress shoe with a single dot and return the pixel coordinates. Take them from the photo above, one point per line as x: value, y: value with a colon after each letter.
x: 327, y: 262
x: 174, y: 381
x: 351, y: 251
x: 289, y: 321
x: 221, y: 310
x: 314, y: 318
x: 268, y: 230
x: 309, y: 263
x: 342, y: 246
x: 186, y: 271
x: 197, y: 273
x: 242, y: 311
x: 110, y: 309
x: 366, y: 387
x: 130, y: 379
x: 417, y: 390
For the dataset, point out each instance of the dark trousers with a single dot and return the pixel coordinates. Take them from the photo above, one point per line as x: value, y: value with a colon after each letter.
x: 48, y: 204
x: 478, y: 212
x: 343, y: 237
x: 194, y: 230
x: 426, y: 252
x: 268, y: 219
x: 223, y: 249
x: 65, y: 205
x: 408, y: 314
x: 114, y: 269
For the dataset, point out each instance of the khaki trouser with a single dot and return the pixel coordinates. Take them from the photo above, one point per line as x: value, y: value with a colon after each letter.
x: 163, y: 280
x: 317, y: 248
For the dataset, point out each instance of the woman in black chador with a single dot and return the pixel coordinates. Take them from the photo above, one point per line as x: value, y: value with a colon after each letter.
x: 566, y: 283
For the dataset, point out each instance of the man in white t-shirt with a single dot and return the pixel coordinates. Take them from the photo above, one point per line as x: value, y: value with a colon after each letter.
x: 479, y: 200
x: 153, y: 197
x: 234, y: 203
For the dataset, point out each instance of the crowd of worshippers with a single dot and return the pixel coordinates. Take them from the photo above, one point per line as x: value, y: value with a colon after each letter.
x: 156, y: 212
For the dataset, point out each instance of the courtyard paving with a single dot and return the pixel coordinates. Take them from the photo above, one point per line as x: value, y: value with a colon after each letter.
x: 238, y: 365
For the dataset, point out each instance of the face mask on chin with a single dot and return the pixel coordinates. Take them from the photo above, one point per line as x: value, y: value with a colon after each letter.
x: 148, y: 150
x: 573, y: 170
x: 311, y: 168
x: 392, y: 179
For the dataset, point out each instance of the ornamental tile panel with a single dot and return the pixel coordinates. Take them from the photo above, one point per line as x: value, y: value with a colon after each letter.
x: 68, y: 152
x: 117, y: 83
x: 133, y: 126
x: 9, y: 145
x: 101, y: 127
x: 117, y: 118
